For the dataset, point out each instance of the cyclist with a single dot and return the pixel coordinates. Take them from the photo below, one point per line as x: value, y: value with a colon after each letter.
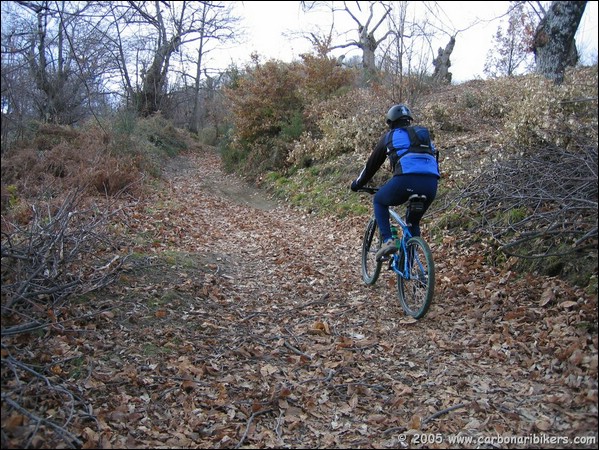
x: 415, y: 166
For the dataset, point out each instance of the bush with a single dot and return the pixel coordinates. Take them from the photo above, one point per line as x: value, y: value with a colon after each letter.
x: 264, y: 101
x: 275, y: 104
x: 344, y: 124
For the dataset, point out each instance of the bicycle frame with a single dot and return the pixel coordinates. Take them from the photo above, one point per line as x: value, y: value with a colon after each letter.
x: 402, y: 249
x: 412, y: 263
x: 394, y: 261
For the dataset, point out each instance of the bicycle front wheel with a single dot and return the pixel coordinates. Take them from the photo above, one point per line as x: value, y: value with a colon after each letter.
x: 371, y: 269
x: 417, y: 289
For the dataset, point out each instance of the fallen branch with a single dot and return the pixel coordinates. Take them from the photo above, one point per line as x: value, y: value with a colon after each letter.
x: 247, y: 427
x: 68, y: 438
x: 295, y: 350
x: 443, y: 411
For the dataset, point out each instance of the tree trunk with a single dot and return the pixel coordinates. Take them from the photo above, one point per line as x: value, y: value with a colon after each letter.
x: 442, y: 63
x: 367, y: 42
x: 368, y: 45
x: 51, y: 83
x: 554, y: 39
x: 194, y: 126
x: 154, y: 83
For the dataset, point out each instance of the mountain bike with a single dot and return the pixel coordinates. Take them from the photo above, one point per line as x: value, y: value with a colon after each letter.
x: 412, y: 262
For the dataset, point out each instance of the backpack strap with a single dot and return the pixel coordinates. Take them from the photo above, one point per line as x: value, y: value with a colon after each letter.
x: 390, y: 151
x: 414, y: 139
x: 389, y: 140
x: 416, y: 144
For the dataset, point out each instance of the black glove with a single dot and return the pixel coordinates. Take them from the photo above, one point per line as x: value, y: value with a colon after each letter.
x: 354, y: 186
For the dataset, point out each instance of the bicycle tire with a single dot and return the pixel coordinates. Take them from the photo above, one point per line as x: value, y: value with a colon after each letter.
x: 416, y: 293
x: 371, y: 269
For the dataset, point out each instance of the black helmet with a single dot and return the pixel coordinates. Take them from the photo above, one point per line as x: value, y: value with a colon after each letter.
x: 399, y: 112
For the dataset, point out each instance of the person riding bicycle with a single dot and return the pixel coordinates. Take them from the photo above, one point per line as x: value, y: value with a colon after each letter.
x: 415, y: 166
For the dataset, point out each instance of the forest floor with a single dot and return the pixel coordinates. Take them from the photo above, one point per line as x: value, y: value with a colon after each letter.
x: 243, y: 323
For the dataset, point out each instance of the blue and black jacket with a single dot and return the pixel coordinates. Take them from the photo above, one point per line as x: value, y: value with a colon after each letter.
x: 410, y: 151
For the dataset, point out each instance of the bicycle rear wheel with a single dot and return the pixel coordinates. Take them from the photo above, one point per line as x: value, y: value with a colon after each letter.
x: 416, y: 292
x: 371, y: 269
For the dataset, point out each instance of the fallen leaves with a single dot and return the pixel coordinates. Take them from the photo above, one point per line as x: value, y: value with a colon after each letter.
x: 251, y: 327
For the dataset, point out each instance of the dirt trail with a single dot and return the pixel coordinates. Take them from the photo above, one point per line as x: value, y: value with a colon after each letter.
x: 251, y: 328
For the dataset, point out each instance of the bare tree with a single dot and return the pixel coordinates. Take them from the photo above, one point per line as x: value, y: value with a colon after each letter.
x: 366, y: 42
x: 213, y: 103
x: 217, y: 23
x: 406, y: 56
x: 168, y: 40
x: 512, y: 45
x: 393, y: 60
x: 554, y: 44
x: 16, y: 83
x: 173, y: 25
x: 442, y: 62
x: 55, y: 47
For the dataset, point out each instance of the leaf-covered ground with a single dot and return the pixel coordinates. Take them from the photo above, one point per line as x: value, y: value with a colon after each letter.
x: 245, y: 324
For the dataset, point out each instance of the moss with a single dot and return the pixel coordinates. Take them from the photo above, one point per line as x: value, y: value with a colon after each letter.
x: 513, y: 216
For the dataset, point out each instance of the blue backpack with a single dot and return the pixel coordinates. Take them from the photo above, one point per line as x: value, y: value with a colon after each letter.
x: 412, y: 152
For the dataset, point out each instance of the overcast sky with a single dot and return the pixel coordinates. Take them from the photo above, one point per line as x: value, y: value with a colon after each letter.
x: 270, y: 27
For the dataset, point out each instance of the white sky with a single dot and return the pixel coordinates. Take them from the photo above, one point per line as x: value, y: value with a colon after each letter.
x: 270, y: 27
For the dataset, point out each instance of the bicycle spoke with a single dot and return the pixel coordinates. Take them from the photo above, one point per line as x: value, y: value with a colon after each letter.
x: 416, y: 291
